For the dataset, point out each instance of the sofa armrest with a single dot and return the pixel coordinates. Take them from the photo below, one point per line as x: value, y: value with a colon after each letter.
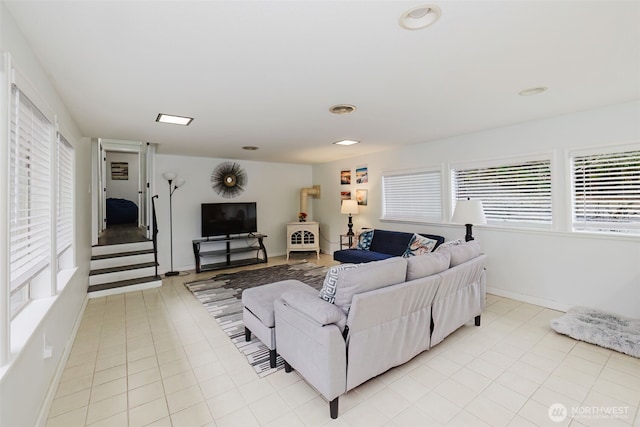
x: 314, y: 307
x: 318, y: 352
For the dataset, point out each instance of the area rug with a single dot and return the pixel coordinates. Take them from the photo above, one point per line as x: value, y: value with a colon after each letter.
x: 222, y: 296
x: 597, y: 327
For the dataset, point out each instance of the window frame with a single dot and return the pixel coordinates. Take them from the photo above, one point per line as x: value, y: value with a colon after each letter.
x: 595, y: 227
x: 430, y: 174
x: 548, y: 220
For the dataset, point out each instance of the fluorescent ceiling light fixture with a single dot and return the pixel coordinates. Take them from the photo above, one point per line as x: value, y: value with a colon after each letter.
x: 174, y: 120
x: 346, y: 142
x: 420, y: 17
x: 533, y: 91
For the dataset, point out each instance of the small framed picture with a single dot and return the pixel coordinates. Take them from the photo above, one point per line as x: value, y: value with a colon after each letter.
x: 362, y: 175
x: 345, y: 177
x: 120, y: 171
x: 361, y: 197
x: 345, y: 195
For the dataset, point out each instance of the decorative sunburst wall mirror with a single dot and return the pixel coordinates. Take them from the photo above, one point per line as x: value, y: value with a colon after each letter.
x: 228, y: 180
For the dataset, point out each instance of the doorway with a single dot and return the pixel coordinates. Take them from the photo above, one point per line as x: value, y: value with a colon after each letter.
x: 121, y: 200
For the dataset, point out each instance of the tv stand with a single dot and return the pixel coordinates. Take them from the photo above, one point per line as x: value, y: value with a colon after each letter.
x: 213, y: 253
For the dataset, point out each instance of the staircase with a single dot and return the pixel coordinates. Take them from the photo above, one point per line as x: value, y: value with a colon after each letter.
x: 122, y: 268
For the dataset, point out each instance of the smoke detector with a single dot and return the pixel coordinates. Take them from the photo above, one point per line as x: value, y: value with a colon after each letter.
x: 420, y: 17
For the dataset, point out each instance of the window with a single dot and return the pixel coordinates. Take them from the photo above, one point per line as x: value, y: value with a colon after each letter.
x: 30, y: 196
x: 517, y: 193
x: 64, y: 191
x: 606, y: 192
x: 412, y: 196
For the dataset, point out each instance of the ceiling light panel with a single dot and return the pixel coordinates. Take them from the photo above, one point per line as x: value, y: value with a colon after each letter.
x: 174, y: 120
x: 346, y: 142
x: 420, y: 17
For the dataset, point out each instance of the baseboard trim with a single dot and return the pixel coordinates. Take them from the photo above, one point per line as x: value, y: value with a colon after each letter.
x: 53, y: 388
x: 553, y: 305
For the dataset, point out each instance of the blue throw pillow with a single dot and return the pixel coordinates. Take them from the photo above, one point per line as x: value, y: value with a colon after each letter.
x: 364, y: 241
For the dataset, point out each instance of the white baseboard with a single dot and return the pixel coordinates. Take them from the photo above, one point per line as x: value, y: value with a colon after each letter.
x: 53, y: 388
x: 553, y: 305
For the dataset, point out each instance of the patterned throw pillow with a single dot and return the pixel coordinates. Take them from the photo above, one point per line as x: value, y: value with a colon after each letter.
x: 364, y: 240
x: 419, y: 245
x: 330, y: 284
x: 449, y: 244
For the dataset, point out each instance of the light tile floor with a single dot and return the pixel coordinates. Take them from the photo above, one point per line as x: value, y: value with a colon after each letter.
x: 156, y: 358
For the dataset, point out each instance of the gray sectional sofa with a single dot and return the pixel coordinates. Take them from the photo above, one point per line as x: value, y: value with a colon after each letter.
x: 374, y: 316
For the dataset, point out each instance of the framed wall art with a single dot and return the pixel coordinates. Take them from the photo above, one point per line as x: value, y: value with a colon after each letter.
x: 362, y: 197
x: 120, y: 171
x: 345, y: 177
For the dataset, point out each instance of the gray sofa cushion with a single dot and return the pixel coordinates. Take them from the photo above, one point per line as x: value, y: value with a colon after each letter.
x: 315, y: 308
x: 367, y: 277
x: 428, y: 264
x: 259, y: 300
x: 463, y: 252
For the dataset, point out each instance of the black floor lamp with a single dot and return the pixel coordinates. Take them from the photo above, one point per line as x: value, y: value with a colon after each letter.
x: 349, y: 207
x: 174, y: 184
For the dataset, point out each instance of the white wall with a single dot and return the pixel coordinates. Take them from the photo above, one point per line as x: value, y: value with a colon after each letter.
x: 275, y: 187
x: 557, y: 269
x: 123, y: 189
x: 26, y: 381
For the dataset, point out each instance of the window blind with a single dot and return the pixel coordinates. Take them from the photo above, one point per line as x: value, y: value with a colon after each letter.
x: 606, y: 192
x: 29, y: 174
x: 64, y: 201
x: 412, y: 196
x: 515, y: 193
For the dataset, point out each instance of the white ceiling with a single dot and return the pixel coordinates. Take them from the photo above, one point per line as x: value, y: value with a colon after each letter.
x: 265, y: 73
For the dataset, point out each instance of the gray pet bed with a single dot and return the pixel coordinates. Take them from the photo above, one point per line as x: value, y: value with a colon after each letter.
x: 597, y: 327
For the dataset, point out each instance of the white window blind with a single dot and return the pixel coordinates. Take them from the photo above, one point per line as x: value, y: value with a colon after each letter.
x: 518, y: 193
x: 29, y: 174
x: 64, y: 202
x: 412, y: 196
x: 606, y: 192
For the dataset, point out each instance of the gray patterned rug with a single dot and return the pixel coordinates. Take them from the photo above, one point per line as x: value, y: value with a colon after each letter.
x: 597, y: 327
x: 222, y: 296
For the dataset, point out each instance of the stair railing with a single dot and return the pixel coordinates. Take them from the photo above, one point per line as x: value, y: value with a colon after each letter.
x: 154, y: 231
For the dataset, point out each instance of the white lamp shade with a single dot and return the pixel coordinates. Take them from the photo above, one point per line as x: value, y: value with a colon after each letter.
x: 169, y: 176
x: 349, y: 207
x: 469, y: 212
x: 179, y: 182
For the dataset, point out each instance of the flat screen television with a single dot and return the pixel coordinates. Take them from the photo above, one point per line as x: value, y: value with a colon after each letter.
x: 224, y: 219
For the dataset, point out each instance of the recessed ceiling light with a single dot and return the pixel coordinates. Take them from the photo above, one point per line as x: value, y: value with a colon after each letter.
x: 250, y: 147
x: 342, y: 109
x: 533, y: 91
x: 346, y: 142
x: 420, y: 17
x: 174, y: 120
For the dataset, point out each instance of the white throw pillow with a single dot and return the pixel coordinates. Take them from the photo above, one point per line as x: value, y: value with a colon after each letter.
x: 330, y: 284
x: 419, y: 245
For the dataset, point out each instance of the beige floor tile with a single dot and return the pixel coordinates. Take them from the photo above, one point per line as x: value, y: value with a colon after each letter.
x: 145, y: 394
x: 289, y: 419
x: 409, y: 388
x: 517, y: 383
x: 142, y: 364
x: 389, y: 402
x: 538, y: 414
x: 217, y: 385
x: 73, y: 418
x: 241, y: 417
x: 107, y: 408
x: 109, y: 389
x: 489, y: 411
x: 70, y: 402
x: 148, y: 413
x: 505, y: 397
x: 256, y: 390
x: 143, y: 378
x: 297, y: 393
x: 269, y: 408
x: 455, y: 392
x: 225, y: 403
x: 366, y: 414
x: 438, y: 407
x: 471, y: 379
x: 178, y: 382
x: 184, y: 398
x: 466, y: 419
x: 617, y: 391
x: 117, y: 420
x: 109, y: 374
x: 74, y: 386
x: 195, y: 416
